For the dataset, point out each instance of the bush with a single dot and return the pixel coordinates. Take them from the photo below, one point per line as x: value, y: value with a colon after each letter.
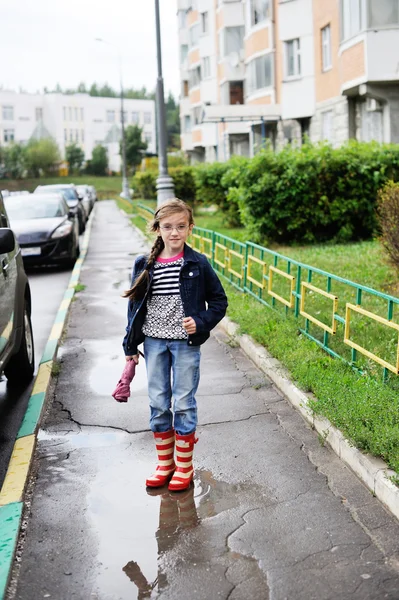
x: 98, y: 165
x: 183, y: 178
x: 388, y: 218
x: 314, y: 193
x: 41, y: 156
x: 144, y: 184
x: 214, y: 184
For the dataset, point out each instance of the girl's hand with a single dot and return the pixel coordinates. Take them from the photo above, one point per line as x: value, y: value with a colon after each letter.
x: 135, y: 358
x: 189, y: 325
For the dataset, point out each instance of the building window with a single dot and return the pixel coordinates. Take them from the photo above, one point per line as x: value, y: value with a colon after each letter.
x: 204, y: 22
x: 9, y: 135
x: 371, y: 117
x: 70, y: 114
x: 293, y: 58
x: 232, y: 40
x: 206, y: 67
x: 76, y: 115
x: 194, y: 35
x: 39, y: 114
x: 197, y: 113
x: 194, y: 77
x: 65, y: 135
x: 110, y: 116
x: 351, y: 18
x: 260, y: 11
x: 187, y: 124
x: 383, y: 13
x: 183, y: 53
x: 182, y: 19
x: 135, y: 117
x: 71, y: 135
x: 8, y: 113
x: 64, y: 110
x: 147, y: 118
x: 148, y: 138
x: 82, y: 135
x: 185, y: 88
x: 82, y: 114
x: 327, y: 125
x: 76, y: 135
x: 326, y: 55
x: 124, y: 116
x: 260, y: 73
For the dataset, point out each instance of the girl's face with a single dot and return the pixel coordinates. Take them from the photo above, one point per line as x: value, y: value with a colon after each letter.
x: 174, y: 231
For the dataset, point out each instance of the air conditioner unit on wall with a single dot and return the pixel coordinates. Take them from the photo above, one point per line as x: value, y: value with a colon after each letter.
x: 372, y: 105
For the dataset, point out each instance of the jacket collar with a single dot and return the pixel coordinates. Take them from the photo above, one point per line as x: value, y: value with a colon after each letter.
x: 189, y: 254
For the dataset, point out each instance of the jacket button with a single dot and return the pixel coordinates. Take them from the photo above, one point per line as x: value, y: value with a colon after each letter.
x: 190, y: 343
x: 190, y: 274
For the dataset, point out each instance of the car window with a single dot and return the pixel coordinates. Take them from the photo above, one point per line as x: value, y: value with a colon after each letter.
x: 34, y: 208
x: 69, y: 193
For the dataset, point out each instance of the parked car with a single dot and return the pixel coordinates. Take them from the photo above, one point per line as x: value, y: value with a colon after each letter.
x: 17, y: 356
x: 46, y: 228
x: 84, y: 193
x: 93, y: 193
x: 71, y: 196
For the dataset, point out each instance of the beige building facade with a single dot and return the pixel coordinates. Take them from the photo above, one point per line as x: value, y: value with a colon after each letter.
x: 275, y: 71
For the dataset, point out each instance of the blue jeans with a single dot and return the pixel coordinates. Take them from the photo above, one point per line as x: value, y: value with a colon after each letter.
x: 172, y: 372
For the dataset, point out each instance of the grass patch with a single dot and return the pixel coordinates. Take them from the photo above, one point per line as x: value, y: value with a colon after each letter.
x: 79, y: 287
x: 56, y: 369
x: 107, y: 187
x: 362, y: 407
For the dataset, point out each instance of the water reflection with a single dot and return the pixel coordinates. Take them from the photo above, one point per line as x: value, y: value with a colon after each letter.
x: 177, y: 511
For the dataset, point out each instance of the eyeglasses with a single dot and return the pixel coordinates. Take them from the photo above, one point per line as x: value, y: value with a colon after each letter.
x: 170, y: 228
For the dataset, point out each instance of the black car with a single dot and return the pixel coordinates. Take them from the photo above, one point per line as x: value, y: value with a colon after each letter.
x: 17, y: 358
x: 72, y: 198
x: 45, y: 227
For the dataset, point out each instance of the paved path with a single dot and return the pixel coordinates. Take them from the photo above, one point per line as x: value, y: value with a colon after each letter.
x: 273, y: 513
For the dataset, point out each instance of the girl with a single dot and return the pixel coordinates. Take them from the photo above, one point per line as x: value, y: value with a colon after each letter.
x: 175, y: 300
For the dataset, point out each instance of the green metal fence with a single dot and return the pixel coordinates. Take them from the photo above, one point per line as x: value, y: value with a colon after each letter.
x: 349, y: 321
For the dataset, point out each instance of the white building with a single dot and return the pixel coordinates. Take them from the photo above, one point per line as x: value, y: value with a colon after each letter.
x: 78, y: 118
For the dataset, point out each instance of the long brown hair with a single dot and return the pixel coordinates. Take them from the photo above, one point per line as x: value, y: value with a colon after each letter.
x: 168, y: 208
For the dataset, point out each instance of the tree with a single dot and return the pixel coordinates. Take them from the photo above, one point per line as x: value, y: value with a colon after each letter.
x: 98, y: 165
x: 41, y: 156
x: 14, y: 159
x: 75, y: 157
x: 135, y: 146
x: 172, y: 123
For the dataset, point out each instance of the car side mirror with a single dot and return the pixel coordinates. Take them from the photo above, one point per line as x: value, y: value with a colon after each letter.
x: 7, y: 241
x: 71, y: 214
x: 80, y: 198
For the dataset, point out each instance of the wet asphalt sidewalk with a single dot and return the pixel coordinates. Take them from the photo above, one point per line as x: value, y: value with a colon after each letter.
x: 273, y: 513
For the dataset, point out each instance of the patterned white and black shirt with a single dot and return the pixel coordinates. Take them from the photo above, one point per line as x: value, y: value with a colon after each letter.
x: 165, y: 312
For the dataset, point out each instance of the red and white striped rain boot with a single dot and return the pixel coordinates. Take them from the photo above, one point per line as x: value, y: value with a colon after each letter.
x: 184, y: 473
x: 165, y: 444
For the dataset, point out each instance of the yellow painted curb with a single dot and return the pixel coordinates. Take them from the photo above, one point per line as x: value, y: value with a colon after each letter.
x: 42, y: 378
x: 56, y: 331
x: 18, y: 469
x: 65, y: 304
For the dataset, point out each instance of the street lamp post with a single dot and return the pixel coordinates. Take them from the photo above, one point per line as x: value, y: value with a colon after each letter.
x: 125, y: 185
x: 165, y: 186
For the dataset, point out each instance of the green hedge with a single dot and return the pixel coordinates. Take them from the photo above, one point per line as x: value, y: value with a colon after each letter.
x: 314, y: 193
x: 145, y: 184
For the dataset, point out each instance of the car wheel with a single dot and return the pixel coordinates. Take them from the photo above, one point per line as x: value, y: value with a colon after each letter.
x: 21, y: 366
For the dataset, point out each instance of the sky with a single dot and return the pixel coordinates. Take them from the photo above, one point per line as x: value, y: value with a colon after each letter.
x: 44, y: 42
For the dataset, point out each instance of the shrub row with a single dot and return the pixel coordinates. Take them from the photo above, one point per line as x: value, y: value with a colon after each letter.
x: 315, y: 193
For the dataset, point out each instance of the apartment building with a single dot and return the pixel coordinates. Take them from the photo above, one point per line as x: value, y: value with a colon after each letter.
x: 76, y: 118
x: 278, y: 70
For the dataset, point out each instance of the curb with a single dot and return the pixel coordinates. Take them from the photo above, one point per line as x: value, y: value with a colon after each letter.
x: 12, y: 491
x: 372, y: 471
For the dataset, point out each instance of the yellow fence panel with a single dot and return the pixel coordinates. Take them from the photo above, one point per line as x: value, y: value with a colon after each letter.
x: 291, y: 278
x: 308, y: 286
x: 370, y: 315
x: 230, y: 269
x: 256, y: 260
x: 224, y: 249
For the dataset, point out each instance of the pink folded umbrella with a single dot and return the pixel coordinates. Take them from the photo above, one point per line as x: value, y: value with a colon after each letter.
x: 122, y: 390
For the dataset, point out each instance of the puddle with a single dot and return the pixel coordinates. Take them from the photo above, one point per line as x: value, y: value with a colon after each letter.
x: 144, y: 538
x: 89, y: 438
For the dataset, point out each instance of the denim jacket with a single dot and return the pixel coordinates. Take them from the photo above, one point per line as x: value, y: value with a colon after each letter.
x: 199, y: 284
